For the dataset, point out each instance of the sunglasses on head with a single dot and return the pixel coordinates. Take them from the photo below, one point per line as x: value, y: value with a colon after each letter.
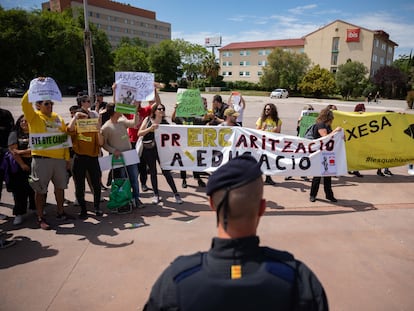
x: 48, y: 103
x: 161, y: 109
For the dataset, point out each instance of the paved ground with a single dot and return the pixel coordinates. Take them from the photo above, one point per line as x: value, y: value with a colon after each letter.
x: 362, y: 248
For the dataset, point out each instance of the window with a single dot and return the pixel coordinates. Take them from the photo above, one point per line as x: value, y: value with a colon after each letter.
x: 244, y: 53
x: 388, y: 62
x: 259, y: 73
x: 334, y: 69
x: 376, y: 42
x: 98, y: 15
x: 227, y: 54
x: 390, y: 49
x: 374, y: 58
x: 384, y: 46
x: 382, y: 60
x: 244, y: 74
x: 245, y: 63
x: 227, y: 73
x: 227, y: 63
x: 335, y: 44
x: 262, y: 63
x: 334, y: 59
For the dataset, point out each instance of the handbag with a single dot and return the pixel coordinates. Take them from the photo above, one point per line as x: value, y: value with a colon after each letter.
x: 139, y: 146
x: 121, y: 194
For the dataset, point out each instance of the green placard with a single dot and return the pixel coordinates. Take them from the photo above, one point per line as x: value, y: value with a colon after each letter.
x: 306, y: 121
x: 189, y: 103
x: 125, y: 108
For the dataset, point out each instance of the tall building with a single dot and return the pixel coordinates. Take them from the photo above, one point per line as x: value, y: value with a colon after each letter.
x: 329, y: 47
x: 244, y: 61
x: 118, y: 20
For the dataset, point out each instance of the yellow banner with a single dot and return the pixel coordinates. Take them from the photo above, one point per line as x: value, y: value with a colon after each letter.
x: 87, y: 125
x: 376, y: 140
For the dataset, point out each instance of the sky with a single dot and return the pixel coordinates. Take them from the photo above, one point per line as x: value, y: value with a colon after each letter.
x: 238, y: 21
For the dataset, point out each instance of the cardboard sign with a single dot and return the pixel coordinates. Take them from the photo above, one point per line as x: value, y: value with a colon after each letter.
x: 190, y: 103
x: 132, y: 86
x: 87, y: 125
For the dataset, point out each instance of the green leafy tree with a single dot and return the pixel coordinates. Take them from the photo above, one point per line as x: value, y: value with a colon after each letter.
x: 192, y: 56
x: 164, y: 61
x: 406, y: 64
x: 285, y: 69
x: 210, y: 68
x: 351, y: 79
x: 391, y: 81
x: 318, y: 82
x: 130, y: 57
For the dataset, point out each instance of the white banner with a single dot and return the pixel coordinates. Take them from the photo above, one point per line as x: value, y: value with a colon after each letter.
x: 205, y: 148
x: 41, y: 89
x: 132, y: 86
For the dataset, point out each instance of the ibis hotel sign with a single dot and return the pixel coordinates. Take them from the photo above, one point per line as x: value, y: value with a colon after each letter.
x: 352, y: 35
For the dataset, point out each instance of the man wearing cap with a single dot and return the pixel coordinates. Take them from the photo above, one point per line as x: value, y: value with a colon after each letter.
x: 230, y: 118
x: 237, y: 273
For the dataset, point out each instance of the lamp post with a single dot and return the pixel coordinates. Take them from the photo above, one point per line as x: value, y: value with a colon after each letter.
x: 88, y: 52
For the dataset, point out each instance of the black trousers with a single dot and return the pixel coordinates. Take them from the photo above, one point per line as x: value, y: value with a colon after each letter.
x: 327, y: 186
x: 22, y: 192
x: 81, y: 165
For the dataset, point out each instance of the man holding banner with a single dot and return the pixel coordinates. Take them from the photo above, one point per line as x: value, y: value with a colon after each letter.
x: 49, y: 143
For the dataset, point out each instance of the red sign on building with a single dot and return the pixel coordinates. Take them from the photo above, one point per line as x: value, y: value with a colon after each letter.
x: 352, y: 35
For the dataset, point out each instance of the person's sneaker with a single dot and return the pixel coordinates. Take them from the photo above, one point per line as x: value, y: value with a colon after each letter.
x: 155, y: 199
x: 332, y: 199
x: 178, y: 199
x: 43, y: 224
x: 3, y: 217
x: 76, y: 203
x: 305, y: 178
x: 388, y: 172
x: 18, y: 220
x: 312, y: 199
x: 6, y: 243
x: 145, y: 188
x: 184, y: 184
x: 139, y: 204
x: 379, y: 173
x: 66, y: 203
x: 98, y: 212
x: 201, y: 183
x: 269, y: 181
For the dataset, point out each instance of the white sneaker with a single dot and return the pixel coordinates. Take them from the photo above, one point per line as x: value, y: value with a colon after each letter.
x: 18, y: 220
x: 178, y: 199
x: 155, y: 199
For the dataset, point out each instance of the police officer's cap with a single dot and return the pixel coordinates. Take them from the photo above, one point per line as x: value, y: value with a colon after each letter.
x: 237, y: 172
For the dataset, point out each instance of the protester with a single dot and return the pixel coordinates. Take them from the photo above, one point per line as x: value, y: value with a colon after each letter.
x: 237, y: 102
x: 361, y: 109
x: 218, y: 110
x: 237, y: 273
x: 323, y: 128
x: 6, y: 126
x: 230, y: 118
x: 87, y: 148
x: 47, y: 164
x: 269, y: 121
x: 19, y: 148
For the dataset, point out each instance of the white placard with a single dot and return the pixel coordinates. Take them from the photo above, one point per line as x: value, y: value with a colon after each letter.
x: 44, y: 89
x: 132, y: 86
x: 130, y: 157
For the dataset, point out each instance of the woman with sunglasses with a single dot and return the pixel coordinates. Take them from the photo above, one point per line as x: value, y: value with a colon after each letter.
x: 150, y: 153
x: 269, y: 121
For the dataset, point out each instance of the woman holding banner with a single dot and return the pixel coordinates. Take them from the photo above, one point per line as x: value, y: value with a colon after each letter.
x: 323, y: 128
x: 150, y: 153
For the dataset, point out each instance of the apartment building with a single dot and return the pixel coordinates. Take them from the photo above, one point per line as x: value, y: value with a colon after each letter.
x: 244, y: 61
x: 329, y: 46
x: 118, y: 20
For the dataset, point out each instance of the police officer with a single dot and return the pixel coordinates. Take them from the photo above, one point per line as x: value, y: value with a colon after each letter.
x: 237, y: 273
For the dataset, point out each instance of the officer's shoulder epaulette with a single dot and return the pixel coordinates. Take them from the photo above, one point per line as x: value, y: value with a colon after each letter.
x: 184, y: 266
x: 281, y: 264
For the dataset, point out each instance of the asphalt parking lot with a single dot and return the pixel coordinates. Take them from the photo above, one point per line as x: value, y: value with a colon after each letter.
x: 361, y: 248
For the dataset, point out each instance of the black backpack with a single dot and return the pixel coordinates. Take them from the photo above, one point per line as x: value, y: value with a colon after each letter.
x: 310, y: 132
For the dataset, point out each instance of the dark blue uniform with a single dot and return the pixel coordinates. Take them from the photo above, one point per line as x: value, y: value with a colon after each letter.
x: 237, y: 274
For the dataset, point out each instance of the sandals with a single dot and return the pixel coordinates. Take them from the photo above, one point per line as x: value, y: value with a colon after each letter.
x: 43, y: 224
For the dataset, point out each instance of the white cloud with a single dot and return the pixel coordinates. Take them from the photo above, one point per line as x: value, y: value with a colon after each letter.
x: 301, y: 9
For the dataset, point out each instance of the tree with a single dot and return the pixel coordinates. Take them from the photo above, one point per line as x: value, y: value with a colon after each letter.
x: 351, y: 78
x: 210, y: 68
x: 391, y: 81
x: 164, y: 61
x: 406, y: 64
x: 318, y: 82
x: 285, y: 69
x: 130, y: 57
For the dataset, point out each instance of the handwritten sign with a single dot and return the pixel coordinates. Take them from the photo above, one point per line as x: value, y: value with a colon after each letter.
x: 87, y: 125
x: 190, y: 103
x: 41, y: 89
x: 49, y: 141
x: 138, y: 85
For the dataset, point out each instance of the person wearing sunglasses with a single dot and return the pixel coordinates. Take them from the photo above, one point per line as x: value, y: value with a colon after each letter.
x: 48, y: 164
x: 150, y: 153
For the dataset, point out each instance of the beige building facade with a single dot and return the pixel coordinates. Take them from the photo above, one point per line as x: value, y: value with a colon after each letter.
x: 329, y: 47
x: 118, y: 20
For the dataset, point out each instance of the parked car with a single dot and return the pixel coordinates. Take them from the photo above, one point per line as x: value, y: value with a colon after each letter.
x: 14, y: 92
x: 106, y: 90
x: 279, y: 93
